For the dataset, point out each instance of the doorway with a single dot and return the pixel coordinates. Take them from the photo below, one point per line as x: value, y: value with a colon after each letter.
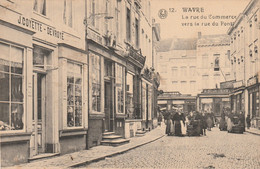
x: 38, y: 116
x: 109, y: 116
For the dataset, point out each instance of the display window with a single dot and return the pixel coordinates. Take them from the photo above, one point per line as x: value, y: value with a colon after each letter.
x: 74, y: 94
x: 11, y: 87
x: 120, y: 88
x: 96, y: 82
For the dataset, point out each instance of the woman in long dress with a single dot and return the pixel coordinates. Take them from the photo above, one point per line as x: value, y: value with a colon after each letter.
x: 177, y: 119
x: 184, y: 124
x: 229, y: 122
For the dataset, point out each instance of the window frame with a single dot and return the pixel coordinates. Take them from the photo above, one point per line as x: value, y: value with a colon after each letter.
x: 92, y: 82
x: 10, y: 102
x: 74, y: 96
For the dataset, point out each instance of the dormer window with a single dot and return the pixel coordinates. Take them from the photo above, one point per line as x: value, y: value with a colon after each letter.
x: 231, y: 61
x: 235, y: 59
x: 255, y: 18
x: 256, y: 50
x: 242, y: 59
x: 238, y: 61
x: 250, y: 24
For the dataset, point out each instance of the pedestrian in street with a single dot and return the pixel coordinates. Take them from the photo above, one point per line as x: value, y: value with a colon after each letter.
x: 230, y: 121
x: 222, y: 124
x: 168, y: 123
x: 177, y: 119
x: 183, y: 124
x: 203, y: 123
x: 242, y: 120
x: 209, y: 121
x: 248, y: 121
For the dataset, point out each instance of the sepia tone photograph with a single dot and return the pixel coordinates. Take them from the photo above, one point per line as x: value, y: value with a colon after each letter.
x: 129, y: 84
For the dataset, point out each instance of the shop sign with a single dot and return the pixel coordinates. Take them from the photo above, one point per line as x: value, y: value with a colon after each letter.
x: 252, y: 81
x: 189, y: 102
x: 178, y: 102
x: 225, y: 99
x: 208, y: 100
x: 226, y: 85
x: 39, y: 27
x: 238, y: 84
x: 162, y: 102
x: 215, y: 91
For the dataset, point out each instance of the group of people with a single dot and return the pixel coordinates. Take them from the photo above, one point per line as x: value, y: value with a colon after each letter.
x: 228, y: 120
x: 177, y: 122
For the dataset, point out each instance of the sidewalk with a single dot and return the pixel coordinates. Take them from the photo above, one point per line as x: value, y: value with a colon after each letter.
x: 96, y: 153
x: 253, y: 131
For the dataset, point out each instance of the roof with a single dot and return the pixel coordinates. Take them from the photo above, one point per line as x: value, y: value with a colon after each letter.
x: 177, y: 44
x: 214, y: 40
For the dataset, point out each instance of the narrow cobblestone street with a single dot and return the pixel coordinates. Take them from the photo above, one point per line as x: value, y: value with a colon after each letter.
x: 218, y: 149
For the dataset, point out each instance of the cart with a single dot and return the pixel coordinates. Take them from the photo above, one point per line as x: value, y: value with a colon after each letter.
x: 193, y: 129
x: 237, y: 127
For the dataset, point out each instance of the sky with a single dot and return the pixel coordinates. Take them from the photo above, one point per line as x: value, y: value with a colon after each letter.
x: 200, y: 16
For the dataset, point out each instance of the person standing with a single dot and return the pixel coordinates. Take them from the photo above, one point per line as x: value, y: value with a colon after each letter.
x: 168, y: 123
x: 248, y: 121
x: 203, y: 124
x: 177, y: 119
x: 242, y: 120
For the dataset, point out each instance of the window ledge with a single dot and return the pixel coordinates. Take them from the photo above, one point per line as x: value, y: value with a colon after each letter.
x: 72, y: 132
x: 14, y: 137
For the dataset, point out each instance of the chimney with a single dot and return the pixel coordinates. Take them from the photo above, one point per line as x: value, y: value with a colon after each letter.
x: 199, y: 35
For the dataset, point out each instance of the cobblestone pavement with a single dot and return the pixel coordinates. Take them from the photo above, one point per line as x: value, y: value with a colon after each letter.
x: 218, y: 149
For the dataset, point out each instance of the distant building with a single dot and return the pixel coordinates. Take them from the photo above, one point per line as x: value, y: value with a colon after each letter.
x: 177, y: 65
x: 191, y: 65
x: 213, y: 61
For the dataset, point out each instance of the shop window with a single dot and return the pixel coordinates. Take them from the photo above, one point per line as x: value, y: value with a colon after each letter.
x: 67, y: 13
x: 39, y: 6
x: 74, y: 95
x: 130, y: 96
x: 120, y: 88
x: 96, y: 82
x: 11, y: 88
x: 144, y: 101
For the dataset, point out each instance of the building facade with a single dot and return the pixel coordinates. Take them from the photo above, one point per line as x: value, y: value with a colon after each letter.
x: 244, y: 36
x: 44, y: 83
x: 71, y: 71
x: 213, y: 60
x: 177, y: 65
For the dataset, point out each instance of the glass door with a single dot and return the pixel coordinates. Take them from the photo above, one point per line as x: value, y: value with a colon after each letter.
x: 38, y: 134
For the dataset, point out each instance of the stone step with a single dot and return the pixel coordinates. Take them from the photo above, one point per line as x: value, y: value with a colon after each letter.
x: 43, y: 156
x: 108, y: 133
x: 115, y: 143
x: 140, y: 134
x: 111, y: 137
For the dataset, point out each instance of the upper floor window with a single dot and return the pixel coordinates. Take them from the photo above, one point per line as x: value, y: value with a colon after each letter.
x: 128, y: 24
x: 136, y: 33
x: 39, y: 6
x: 216, y: 63
x: 67, y: 13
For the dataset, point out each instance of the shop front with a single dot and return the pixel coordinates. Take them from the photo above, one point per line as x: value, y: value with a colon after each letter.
x: 253, y: 101
x: 43, y: 87
x: 238, y: 97
x: 214, y: 101
x: 107, y: 85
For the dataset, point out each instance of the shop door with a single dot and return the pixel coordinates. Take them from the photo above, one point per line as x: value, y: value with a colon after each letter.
x: 108, y: 107
x: 38, y: 116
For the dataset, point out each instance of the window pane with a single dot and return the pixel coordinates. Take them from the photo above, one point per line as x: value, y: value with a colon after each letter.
x: 17, y: 88
x: 4, y: 57
x: 4, y: 87
x: 78, y: 116
x: 70, y: 117
x: 16, y: 60
x: 4, y: 117
x: 38, y: 58
x: 17, y: 116
x: 70, y: 93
